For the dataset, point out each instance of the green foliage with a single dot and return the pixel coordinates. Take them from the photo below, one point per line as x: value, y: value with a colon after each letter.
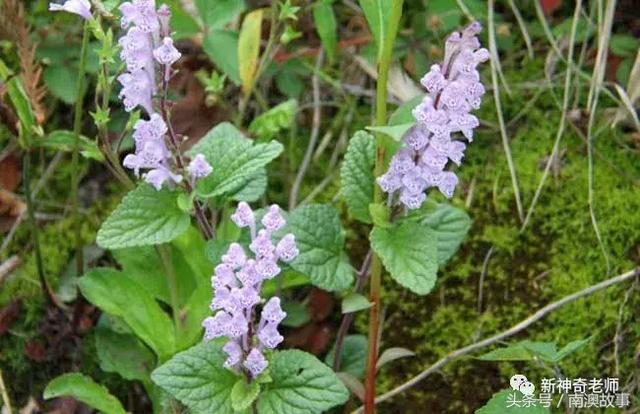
x: 353, y: 357
x: 409, y: 253
x: 243, y: 394
x: 268, y: 124
x: 86, y: 390
x: 326, y: 26
x: 301, y: 384
x: 320, y: 239
x: 222, y: 48
x: 356, y: 176
x: 63, y: 140
x: 114, y: 293
x: 235, y: 158
x: 144, y: 217
x: 123, y: 354
x: 450, y: 225
x: 355, y: 302
x: 529, y: 350
x: 216, y: 15
x: 197, y: 378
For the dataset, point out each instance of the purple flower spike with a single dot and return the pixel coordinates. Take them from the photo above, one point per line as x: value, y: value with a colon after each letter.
x: 166, y: 54
x: 454, y: 89
x: 199, y: 167
x: 237, y: 283
x: 80, y: 7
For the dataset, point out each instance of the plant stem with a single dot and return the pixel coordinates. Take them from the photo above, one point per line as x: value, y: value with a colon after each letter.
x: 33, y: 227
x: 384, y: 63
x: 5, y: 396
x: 75, y: 157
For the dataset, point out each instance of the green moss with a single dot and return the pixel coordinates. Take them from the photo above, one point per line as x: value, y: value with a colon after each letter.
x: 556, y: 255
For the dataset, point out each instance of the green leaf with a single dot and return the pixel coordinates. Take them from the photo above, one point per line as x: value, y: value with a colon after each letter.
x: 61, y: 82
x: 380, y: 215
x: 353, y: 358
x: 450, y: 225
x: 498, y: 404
x: 396, y: 132
x: 301, y: 385
x: 18, y: 96
x: 529, y: 350
x: 222, y: 48
x: 572, y: 347
x: 123, y: 354
x: 144, y: 217
x: 236, y: 159
x: 217, y: 14
x: 326, y: 26
x: 403, y: 114
x: 355, y: 302
x: 254, y: 188
x: 391, y: 354
x: 297, y: 314
x: 65, y: 141
x: 320, y: 239
x: 624, y: 45
x: 268, y: 124
x: 409, y: 253
x: 249, y: 48
x: 243, y: 394
x: 357, y: 177
x: 84, y: 389
x: 198, y: 379
x: 182, y: 24
x: 118, y: 295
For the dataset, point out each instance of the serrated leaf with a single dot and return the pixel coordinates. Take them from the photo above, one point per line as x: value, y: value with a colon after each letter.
x: 353, y: 357
x: 280, y: 117
x: 498, y: 404
x: 355, y: 302
x: 144, y: 217
x: 197, y: 378
x: 243, y: 394
x: 356, y: 174
x: 123, y: 354
x: 395, y: 132
x: 301, y: 385
x: 391, y: 354
x: 115, y: 294
x: 409, y: 253
x: 235, y: 158
x: 450, y: 225
x: 379, y: 215
x: 84, y: 389
x: 326, y: 26
x: 249, y: 48
x: 320, y: 239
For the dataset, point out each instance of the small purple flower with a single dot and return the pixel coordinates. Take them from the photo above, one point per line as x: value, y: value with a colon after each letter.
x: 273, y: 220
x: 166, y: 54
x: 237, y: 282
x: 454, y: 89
x: 255, y: 362
x: 136, y: 90
x: 243, y: 216
x: 80, y: 7
x: 199, y: 167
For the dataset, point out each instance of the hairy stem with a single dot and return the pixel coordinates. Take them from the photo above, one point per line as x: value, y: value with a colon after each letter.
x: 384, y: 63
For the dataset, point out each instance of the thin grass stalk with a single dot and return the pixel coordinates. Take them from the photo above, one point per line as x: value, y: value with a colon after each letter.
x: 563, y: 116
x: 496, y: 96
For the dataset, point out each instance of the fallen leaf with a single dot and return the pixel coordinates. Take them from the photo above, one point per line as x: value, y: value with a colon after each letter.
x: 10, y: 173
